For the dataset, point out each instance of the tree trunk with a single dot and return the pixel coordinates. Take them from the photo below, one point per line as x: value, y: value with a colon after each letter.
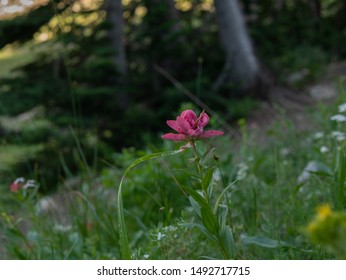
x: 114, y: 16
x: 167, y: 45
x: 241, y: 67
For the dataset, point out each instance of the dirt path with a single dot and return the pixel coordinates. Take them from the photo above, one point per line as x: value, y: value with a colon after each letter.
x: 285, y: 103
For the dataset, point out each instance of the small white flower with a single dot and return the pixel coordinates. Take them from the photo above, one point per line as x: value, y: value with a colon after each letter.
x: 338, y: 118
x: 324, y: 149
x: 342, y: 108
x: 146, y: 256
x: 160, y: 236
x: 19, y: 180
x: 318, y: 135
x: 217, y: 176
x: 339, y: 136
x: 242, y: 171
x: 30, y: 184
x: 170, y: 228
x: 62, y: 228
x: 285, y: 152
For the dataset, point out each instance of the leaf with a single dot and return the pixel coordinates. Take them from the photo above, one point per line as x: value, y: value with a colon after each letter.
x: 222, y: 216
x: 195, y: 206
x: 209, y: 220
x: 229, y: 242
x: 218, y: 201
x: 207, y: 155
x: 123, y: 237
x: 196, y: 196
x: 314, y: 167
x: 207, y: 178
x: 211, y: 237
x: 265, y: 242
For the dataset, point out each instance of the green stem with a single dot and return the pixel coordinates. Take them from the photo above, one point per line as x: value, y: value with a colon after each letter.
x: 193, y: 144
x: 199, y: 167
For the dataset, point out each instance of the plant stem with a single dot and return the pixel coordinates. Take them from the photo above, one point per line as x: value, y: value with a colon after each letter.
x: 193, y: 144
x: 199, y: 167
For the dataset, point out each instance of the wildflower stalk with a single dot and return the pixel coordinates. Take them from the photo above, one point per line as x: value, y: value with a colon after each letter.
x: 199, y: 167
x: 218, y: 232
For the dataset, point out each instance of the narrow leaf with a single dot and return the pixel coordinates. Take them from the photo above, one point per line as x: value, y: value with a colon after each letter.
x: 207, y: 178
x: 218, y: 201
x: 266, y: 242
x: 211, y: 237
x: 195, y: 206
x: 209, y: 220
x: 123, y: 237
x: 207, y: 155
x: 229, y: 242
x: 196, y: 196
x: 222, y: 216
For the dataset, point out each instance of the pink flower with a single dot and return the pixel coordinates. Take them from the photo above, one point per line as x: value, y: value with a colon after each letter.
x: 20, y: 183
x: 190, y: 127
x: 17, y: 184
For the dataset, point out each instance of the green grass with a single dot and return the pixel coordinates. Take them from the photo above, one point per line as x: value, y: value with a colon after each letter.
x: 12, y: 57
x: 11, y: 155
x: 270, y: 205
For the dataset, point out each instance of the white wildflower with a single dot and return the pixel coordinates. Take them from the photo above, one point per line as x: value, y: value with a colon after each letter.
x: 338, y: 118
x: 338, y: 135
x: 318, y: 135
x: 62, y: 228
x: 285, y: 152
x: 217, y: 175
x: 242, y: 171
x: 146, y: 256
x: 160, y: 236
x: 342, y: 108
x: 19, y: 180
x: 29, y: 184
x: 170, y: 228
x: 324, y: 149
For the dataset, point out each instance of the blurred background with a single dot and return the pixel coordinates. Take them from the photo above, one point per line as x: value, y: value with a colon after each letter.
x: 82, y: 79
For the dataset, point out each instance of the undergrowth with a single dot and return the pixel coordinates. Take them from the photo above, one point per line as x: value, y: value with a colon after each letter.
x: 279, y: 185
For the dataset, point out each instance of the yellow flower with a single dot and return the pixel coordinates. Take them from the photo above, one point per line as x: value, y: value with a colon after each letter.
x: 324, y: 211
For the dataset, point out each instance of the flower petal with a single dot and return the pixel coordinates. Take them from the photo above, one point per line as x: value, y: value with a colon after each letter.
x: 210, y: 133
x: 203, y: 120
x: 189, y: 115
x: 174, y: 125
x: 184, y: 125
x: 174, y: 137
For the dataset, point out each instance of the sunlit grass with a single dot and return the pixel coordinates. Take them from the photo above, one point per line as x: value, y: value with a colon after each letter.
x: 13, y: 57
x: 14, y: 154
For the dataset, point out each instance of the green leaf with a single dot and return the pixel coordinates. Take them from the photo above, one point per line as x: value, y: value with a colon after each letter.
x: 207, y: 178
x: 123, y: 237
x: 229, y: 242
x: 218, y: 201
x: 314, y: 167
x: 195, y: 206
x: 209, y: 220
x: 265, y: 242
x: 222, y: 216
x: 207, y: 155
x: 196, y: 196
x: 211, y: 237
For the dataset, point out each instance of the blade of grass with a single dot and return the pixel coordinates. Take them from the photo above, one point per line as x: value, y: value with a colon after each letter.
x: 124, y: 241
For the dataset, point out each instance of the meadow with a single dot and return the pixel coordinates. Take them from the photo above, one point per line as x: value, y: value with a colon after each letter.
x: 282, y: 198
x: 132, y: 130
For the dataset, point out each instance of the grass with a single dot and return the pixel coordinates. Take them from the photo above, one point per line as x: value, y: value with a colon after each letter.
x: 14, y: 154
x: 270, y: 205
x: 13, y: 57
